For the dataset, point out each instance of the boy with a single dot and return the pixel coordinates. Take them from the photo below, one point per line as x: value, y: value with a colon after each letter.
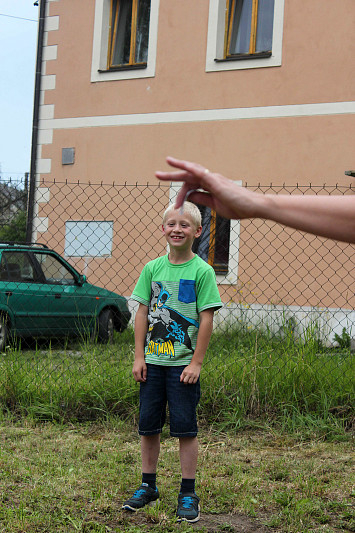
x: 177, y: 296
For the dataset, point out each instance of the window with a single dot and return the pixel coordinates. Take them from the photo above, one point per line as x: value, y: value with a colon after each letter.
x: 88, y: 239
x: 128, y: 34
x: 247, y: 30
x: 125, y: 39
x: 249, y: 25
x: 54, y: 271
x: 16, y: 266
x: 213, y: 244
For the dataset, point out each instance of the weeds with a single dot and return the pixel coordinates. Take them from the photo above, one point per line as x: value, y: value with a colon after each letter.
x: 275, y: 443
x: 343, y: 340
x: 248, y: 377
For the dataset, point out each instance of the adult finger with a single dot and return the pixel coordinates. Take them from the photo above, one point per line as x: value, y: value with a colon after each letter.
x: 194, y: 169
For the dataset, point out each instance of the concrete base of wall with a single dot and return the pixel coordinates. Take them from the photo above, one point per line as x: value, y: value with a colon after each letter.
x: 302, y: 322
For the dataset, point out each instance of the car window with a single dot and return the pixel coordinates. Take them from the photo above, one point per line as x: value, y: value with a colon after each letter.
x: 54, y: 271
x: 16, y: 266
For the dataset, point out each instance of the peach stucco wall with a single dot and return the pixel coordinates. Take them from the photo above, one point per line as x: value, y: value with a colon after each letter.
x: 318, y: 67
x: 290, y: 150
x: 317, y: 64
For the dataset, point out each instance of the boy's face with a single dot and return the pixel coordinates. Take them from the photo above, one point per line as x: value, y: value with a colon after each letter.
x: 180, y: 230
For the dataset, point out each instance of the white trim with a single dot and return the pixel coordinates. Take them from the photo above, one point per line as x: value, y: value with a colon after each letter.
x: 44, y: 166
x: 48, y: 82
x: 233, y: 263
x: 46, y: 112
x: 45, y: 136
x: 203, y: 115
x: 50, y: 52
x: 43, y: 195
x: 215, y: 40
x: 51, y: 23
x: 100, y: 40
x: 40, y: 224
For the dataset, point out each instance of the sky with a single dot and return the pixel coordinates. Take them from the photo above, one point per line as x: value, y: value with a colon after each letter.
x: 18, y: 48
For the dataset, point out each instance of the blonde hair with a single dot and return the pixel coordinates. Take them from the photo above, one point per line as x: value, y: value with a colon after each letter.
x: 189, y: 209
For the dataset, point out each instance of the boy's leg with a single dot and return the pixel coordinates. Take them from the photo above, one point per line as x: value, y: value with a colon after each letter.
x: 188, y: 502
x: 150, y: 448
x: 151, y: 421
x: 147, y: 492
x: 188, y: 456
x: 183, y: 400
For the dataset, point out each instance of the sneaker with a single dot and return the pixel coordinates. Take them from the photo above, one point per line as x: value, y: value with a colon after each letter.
x: 143, y: 496
x: 188, y: 507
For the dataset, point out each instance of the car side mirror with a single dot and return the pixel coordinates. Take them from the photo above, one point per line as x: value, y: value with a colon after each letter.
x: 81, y: 279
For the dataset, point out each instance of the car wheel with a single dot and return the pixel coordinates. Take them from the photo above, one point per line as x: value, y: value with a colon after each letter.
x: 4, y: 333
x: 105, y: 326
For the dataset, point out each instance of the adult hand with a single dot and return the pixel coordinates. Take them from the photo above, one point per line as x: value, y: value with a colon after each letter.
x: 222, y: 194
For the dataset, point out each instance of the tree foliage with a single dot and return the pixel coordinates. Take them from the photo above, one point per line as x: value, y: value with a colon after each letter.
x: 13, y: 206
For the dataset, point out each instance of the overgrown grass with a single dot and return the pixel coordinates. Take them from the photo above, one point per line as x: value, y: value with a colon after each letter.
x: 275, y: 440
x: 248, y: 378
x: 299, y: 384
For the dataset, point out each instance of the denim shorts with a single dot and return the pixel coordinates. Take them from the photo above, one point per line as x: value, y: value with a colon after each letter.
x: 163, y: 387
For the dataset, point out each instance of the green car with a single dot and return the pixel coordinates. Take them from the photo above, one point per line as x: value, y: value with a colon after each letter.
x: 42, y: 295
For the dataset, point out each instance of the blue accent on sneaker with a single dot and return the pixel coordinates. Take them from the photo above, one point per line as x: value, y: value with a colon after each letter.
x: 143, y: 496
x: 188, y: 507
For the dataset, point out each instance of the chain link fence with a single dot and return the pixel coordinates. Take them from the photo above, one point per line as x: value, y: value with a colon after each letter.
x: 109, y: 231
x: 277, y: 283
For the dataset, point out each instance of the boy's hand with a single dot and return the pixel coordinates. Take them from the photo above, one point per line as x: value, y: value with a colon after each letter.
x: 140, y: 371
x: 190, y: 374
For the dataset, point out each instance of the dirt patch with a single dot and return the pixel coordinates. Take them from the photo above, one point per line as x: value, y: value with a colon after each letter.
x: 212, y: 523
x: 225, y: 522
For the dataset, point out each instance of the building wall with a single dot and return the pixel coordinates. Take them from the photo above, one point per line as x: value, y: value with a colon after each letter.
x: 292, y: 123
x: 234, y: 121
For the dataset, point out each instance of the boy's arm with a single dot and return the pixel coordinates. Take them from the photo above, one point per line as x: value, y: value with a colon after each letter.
x: 191, y: 372
x: 140, y: 331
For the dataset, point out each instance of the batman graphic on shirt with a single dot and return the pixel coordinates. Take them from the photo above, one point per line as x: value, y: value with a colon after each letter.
x: 166, y: 324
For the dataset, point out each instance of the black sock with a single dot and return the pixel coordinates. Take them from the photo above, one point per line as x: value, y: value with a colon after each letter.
x: 187, y: 485
x: 149, y: 479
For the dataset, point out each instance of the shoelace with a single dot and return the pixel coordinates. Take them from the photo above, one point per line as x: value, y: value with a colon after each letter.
x: 139, y: 493
x: 187, y: 502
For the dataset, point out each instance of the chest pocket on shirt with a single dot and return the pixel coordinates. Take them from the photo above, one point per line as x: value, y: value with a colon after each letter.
x: 187, y: 293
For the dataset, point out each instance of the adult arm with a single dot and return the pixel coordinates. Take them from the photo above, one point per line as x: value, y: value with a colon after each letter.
x: 191, y: 372
x: 327, y: 216
x: 140, y: 331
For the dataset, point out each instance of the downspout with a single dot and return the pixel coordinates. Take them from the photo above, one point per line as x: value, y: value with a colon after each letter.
x: 35, y: 124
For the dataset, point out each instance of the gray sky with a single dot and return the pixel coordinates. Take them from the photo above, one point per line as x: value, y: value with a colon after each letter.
x: 18, y: 44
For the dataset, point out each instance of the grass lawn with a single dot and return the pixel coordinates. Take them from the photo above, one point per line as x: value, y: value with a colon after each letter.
x: 66, y: 478
x: 276, y: 449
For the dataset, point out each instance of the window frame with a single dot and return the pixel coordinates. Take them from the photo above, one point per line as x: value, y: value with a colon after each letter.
x: 230, y: 15
x: 113, y: 28
x: 216, y: 43
x: 213, y: 239
x: 99, y: 70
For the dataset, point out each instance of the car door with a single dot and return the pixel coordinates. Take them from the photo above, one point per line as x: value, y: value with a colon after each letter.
x: 23, y: 293
x: 71, y: 309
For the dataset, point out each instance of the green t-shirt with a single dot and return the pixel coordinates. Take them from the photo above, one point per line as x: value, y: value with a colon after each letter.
x: 175, y: 295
